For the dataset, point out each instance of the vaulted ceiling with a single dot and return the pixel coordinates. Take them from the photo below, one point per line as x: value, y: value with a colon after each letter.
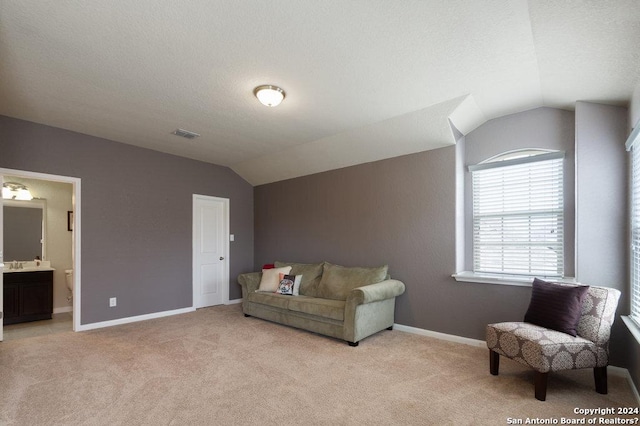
x: 364, y: 80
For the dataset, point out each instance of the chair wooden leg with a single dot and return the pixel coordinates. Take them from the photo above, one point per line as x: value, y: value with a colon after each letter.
x: 494, y: 362
x: 540, y: 381
x: 600, y: 375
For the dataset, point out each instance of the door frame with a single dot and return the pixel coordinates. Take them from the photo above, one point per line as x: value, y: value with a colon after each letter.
x: 75, y: 244
x: 225, y: 219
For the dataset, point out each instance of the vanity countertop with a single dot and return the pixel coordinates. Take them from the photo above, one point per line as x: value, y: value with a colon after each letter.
x: 27, y: 266
x: 6, y: 270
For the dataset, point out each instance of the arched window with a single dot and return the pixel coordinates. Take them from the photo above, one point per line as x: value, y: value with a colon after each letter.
x: 518, y: 214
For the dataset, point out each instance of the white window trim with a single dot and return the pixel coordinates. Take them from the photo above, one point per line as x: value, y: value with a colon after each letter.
x: 513, y: 280
x: 632, y: 326
x: 494, y: 162
x: 488, y: 164
x: 630, y: 322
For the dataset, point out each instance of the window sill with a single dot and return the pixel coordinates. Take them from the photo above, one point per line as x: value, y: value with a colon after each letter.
x: 633, y: 327
x: 514, y: 280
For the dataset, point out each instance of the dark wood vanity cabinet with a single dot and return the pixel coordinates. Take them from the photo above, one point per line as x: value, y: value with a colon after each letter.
x: 28, y: 296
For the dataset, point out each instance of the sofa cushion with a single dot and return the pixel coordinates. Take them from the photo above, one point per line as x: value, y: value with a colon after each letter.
x: 271, y: 299
x: 337, y: 281
x: 554, y: 306
x: 325, y: 308
x: 311, y: 274
x: 271, y: 278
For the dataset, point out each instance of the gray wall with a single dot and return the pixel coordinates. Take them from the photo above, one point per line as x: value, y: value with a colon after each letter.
x: 601, y: 195
x: 634, y: 108
x: 402, y: 211
x: 136, y: 216
x: 399, y: 212
x: 602, y: 208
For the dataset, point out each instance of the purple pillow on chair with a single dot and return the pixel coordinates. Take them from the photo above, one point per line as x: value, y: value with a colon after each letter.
x: 557, y: 307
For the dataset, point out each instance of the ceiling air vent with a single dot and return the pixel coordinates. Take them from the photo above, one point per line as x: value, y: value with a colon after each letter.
x: 185, y: 133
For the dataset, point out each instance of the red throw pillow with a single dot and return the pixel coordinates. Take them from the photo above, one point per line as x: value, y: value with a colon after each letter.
x: 269, y: 266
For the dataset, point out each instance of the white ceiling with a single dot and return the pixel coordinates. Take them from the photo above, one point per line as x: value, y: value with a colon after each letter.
x: 365, y: 80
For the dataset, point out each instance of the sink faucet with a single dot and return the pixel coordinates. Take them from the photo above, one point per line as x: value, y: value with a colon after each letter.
x: 16, y: 265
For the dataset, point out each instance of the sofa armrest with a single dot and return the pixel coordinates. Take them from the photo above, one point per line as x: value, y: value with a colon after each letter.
x: 383, y: 290
x: 370, y: 308
x: 249, y: 282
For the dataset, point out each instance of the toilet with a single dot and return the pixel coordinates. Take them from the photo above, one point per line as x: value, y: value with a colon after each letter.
x: 69, y: 280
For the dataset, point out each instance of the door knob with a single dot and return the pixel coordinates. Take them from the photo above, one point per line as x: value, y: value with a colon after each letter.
x: 221, y: 258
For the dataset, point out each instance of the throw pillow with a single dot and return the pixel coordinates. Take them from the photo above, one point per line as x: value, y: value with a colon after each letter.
x: 289, y: 284
x: 271, y: 278
x: 338, y: 281
x: 555, y: 306
x: 311, y: 275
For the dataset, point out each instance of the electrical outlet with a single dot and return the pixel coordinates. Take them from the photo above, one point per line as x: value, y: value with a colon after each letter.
x: 112, y: 302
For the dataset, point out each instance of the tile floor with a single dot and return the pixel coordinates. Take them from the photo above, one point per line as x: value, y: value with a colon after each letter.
x: 62, y: 322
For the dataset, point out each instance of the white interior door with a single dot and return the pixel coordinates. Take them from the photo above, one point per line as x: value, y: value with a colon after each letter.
x: 210, y: 251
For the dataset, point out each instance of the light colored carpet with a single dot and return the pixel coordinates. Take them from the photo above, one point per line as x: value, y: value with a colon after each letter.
x: 216, y: 367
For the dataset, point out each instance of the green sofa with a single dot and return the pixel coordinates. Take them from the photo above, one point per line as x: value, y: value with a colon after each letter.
x: 336, y: 301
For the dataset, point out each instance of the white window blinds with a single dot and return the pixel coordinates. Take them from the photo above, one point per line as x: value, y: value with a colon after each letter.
x: 634, y: 145
x: 518, y: 216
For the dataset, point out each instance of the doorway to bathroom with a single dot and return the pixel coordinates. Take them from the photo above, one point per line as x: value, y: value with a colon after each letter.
x: 57, y: 256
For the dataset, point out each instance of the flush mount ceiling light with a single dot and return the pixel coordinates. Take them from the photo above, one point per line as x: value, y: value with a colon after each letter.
x: 269, y: 95
x: 15, y: 191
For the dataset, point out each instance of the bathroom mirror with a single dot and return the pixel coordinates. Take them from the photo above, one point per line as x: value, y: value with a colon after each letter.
x: 24, y: 229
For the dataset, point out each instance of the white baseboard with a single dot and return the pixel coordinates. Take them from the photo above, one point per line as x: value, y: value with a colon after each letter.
x: 120, y: 321
x: 127, y: 320
x: 612, y: 370
x: 63, y: 309
x: 441, y: 336
x: 623, y: 372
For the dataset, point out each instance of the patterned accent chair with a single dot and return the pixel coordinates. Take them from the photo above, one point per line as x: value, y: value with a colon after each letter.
x: 547, y: 350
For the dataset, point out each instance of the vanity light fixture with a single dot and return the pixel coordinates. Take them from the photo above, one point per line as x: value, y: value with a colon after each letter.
x: 269, y: 95
x: 15, y: 191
